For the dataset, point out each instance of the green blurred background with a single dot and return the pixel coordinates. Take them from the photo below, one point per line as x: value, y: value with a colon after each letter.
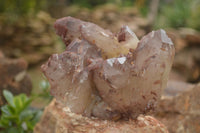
x: 171, y: 13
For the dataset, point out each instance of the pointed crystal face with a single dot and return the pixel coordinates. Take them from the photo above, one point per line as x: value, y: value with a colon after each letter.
x: 69, y: 77
x: 108, y: 75
x: 127, y: 38
x: 133, y: 85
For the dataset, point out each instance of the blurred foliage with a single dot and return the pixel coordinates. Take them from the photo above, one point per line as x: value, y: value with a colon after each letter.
x: 12, y: 10
x: 194, y: 19
x: 21, y: 7
x: 93, y: 3
x: 17, y: 116
x: 88, y: 3
x: 178, y: 13
x: 172, y: 13
x: 45, y: 87
x: 143, y: 6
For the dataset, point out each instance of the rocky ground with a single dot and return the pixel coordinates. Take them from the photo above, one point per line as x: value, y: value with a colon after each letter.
x: 178, y: 110
x: 62, y: 121
x: 31, y: 38
x: 13, y: 77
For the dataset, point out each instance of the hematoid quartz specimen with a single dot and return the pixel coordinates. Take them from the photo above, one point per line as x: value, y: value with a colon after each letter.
x: 108, y: 75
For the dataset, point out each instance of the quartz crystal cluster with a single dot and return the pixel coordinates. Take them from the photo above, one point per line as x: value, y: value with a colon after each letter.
x: 106, y: 75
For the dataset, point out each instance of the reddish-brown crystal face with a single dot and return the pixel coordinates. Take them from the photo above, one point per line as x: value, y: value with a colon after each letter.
x: 101, y: 75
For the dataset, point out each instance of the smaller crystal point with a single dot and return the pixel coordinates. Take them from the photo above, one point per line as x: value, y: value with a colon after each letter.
x: 165, y: 38
x: 127, y: 38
